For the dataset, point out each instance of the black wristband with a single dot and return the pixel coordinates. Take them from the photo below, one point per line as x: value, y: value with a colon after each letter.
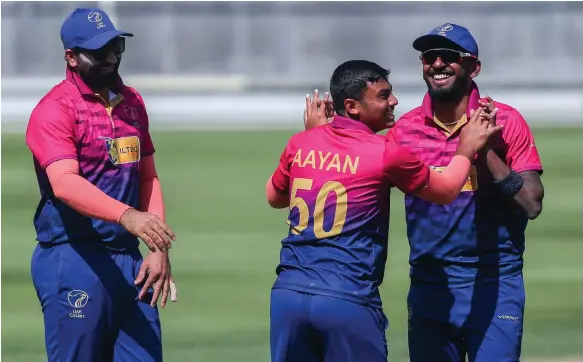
x: 510, y: 185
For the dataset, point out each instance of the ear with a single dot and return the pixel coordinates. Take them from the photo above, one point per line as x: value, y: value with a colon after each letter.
x: 476, y: 68
x: 352, y: 107
x: 71, y: 58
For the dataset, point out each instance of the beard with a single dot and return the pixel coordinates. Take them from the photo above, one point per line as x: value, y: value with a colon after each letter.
x: 96, y: 80
x: 451, y: 94
x: 95, y: 76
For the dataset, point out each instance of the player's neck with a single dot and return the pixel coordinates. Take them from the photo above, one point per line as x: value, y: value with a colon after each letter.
x: 103, y: 93
x: 451, y: 112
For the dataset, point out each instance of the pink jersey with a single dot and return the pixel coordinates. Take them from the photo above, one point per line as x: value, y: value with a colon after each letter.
x: 71, y: 122
x: 480, y: 235
x: 338, y: 178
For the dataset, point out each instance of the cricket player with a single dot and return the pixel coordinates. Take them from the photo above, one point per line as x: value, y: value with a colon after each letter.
x: 336, y: 180
x: 99, y: 192
x: 467, y: 294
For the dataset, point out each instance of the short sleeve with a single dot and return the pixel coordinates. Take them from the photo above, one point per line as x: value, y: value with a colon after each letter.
x: 147, y: 145
x: 405, y: 171
x: 522, y: 153
x: 50, y: 133
x: 281, y: 176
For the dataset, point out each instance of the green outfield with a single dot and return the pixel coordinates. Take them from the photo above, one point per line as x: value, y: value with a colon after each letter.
x: 228, y: 245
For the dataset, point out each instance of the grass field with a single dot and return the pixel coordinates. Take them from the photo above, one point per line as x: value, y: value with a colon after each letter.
x: 228, y: 244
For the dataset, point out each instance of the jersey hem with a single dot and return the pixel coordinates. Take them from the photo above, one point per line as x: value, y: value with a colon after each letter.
x: 457, y: 285
x: 329, y: 293
x: 114, y: 246
x: 46, y: 164
x: 537, y: 168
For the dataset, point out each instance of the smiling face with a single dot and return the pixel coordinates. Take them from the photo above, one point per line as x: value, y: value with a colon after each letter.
x: 448, y: 73
x: 361, y: 91
x: 376, y: 106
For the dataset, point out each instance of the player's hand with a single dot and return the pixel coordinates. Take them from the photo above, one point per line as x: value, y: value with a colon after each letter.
x: 318, y: 111
x: 328, y: 104
x: 156, y: 272
x: 155, y: 233
x: 489, y: 114
x: 475, y: 134
x: 489, y: 110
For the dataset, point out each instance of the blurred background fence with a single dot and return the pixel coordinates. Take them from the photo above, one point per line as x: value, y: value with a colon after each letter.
x: 251, y: 63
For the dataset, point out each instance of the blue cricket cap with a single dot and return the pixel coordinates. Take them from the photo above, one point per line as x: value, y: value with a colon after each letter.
x: 448, y: 36
x: 88, y: 28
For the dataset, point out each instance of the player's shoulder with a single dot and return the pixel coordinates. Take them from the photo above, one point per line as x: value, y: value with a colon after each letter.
x: 325, y: 133
x: 393, y: 149
x: 414, y: 116
x: 305, y: 136
x: 61, y: 97
x: 408, y: 128
x: 64, y: 93
x: 409, y: 122
x: 132, y: 96
x: 507, y: 114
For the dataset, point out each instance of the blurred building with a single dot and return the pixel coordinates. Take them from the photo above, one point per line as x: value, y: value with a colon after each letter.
x: 532, y: 53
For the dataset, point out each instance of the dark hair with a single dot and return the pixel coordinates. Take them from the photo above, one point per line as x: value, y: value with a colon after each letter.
x: 351, y: 79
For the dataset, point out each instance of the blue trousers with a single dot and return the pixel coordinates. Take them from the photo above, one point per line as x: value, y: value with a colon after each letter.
x: 483, y: 321
x: 90, y: 306
x: 317, y: 328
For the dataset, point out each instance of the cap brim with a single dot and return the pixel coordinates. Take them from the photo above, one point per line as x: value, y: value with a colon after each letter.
x: 102, y: 39
x: 432, y: 41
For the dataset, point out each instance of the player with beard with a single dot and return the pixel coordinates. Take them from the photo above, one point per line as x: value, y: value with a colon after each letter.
x: 99, y: 192
x: 467, y: 293
x: 336, y: 181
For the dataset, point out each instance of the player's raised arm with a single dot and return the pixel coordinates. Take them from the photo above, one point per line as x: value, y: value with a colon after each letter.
x: 519, y: 180
x: 411, y: 175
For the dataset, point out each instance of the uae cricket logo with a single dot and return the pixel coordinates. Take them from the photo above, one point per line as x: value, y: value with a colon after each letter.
x: 77, y: 299
x: 443, y: 29
x: 111, y: 146
x: 131, y: 112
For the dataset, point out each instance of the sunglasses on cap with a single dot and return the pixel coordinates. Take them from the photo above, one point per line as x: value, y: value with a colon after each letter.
x: 116, y: 46
x: 447, y: 56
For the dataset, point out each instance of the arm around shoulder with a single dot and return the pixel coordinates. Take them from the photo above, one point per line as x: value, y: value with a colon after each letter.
x: 410, y: 175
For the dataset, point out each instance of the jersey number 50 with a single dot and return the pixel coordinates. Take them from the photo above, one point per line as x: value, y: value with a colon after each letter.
x: 304, y: 212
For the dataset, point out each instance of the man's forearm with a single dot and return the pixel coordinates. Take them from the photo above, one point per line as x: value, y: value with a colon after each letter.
x: 151, y: 199
x: 80, y: 194
x: 85, y: 198
x: 498, y: 168
x: 528, y: 196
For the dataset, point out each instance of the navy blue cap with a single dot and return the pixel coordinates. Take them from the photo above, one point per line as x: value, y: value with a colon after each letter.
x: 448, y: 36
x: 88, y: 29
